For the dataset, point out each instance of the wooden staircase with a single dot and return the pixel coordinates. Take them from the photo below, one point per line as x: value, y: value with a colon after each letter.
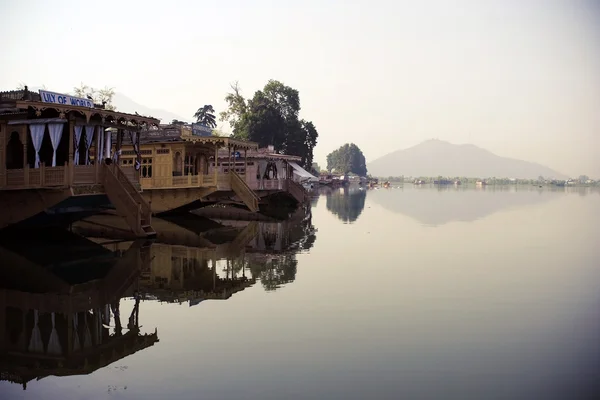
x: 241, y: 188
x: 297, y: 191
x: 128, y: 201
x: 242, y: 239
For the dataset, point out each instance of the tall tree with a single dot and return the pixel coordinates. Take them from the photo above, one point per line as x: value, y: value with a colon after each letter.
x: 346, y: 159
x: 237, y: 112
x: 205, y: 115
x: 270, y: 117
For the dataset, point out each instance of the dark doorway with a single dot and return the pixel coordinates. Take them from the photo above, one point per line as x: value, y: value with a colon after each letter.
x: 14, y: 152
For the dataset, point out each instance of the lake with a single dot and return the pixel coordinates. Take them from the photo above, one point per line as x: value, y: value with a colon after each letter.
x: 408, y: 292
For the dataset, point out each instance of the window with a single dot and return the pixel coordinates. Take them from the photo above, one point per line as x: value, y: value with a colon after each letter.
x: 147, y: 171
x: 162, y: 151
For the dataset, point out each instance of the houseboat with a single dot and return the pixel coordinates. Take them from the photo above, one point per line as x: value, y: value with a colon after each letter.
x: 182, y: 169
x: 55, y: 160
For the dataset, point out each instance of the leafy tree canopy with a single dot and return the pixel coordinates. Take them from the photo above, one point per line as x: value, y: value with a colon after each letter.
x: 271, y: 117
x: 98, y: 96
x: 347, y: 159
x: 206, y: 116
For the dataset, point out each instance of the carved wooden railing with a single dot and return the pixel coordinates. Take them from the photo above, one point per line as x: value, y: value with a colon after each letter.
x: 241, y: 188
x: 43, y: 176
x: 297, y: 191
x: 84, y: 174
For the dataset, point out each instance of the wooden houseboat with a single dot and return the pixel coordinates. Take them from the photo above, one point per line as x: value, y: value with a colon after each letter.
x: 177, y: 170
x: 55, y: 153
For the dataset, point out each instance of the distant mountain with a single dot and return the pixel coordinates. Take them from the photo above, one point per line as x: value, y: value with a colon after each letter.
x: 127, y: 105
x: 440, y: 158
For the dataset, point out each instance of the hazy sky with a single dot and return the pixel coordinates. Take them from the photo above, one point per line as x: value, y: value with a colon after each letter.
x: 518, y: 77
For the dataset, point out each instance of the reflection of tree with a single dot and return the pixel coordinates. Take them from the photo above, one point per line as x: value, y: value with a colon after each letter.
x: 275, y: 270
x: 346, y: 204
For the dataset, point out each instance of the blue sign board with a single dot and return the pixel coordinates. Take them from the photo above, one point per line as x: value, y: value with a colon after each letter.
x: 65, y: 99
x: 201, y: 130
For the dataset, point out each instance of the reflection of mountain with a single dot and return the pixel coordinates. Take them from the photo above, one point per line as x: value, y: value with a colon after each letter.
x: 56, y: 304
x: 346, y: 203
x: 438, y: 206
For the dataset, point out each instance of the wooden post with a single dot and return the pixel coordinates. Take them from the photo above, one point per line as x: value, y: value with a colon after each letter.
x: 70, y: 165
x: 24, y: 141
x: 246, y: 164
x: 216, y: 164
x: 42, y: 174
x: 97, y: 132
x: 26, y: 175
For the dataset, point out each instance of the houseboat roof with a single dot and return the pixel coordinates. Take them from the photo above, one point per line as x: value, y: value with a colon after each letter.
x: 264, y: 153
x: 18, y: 102
x: 178, y: 134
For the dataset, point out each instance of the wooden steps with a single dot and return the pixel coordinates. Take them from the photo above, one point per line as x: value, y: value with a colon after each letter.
x: 241, y: 188
x: 128, y: 201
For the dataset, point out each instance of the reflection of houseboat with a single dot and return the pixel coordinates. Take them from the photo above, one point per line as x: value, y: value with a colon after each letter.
x: 66, y: 320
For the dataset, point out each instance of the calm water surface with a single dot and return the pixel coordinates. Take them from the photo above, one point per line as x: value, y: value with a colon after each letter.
x: 412, y: 293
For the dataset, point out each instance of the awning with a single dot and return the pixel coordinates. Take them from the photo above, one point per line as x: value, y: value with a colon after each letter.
x: 302, y: 173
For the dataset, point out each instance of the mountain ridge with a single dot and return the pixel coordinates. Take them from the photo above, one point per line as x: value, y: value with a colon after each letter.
x: 440, y: 158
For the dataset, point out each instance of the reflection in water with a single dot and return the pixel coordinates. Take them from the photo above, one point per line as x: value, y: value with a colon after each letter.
x: 436, y: 206
x: 60, y: 294
x: 346, y: 203
x: 56, y: 311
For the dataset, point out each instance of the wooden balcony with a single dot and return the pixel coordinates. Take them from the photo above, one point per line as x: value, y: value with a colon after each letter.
x: 57, y: 177
x: 180, y: 182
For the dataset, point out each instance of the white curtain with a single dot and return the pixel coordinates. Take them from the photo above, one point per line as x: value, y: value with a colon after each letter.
x: 89, y: 138
x: 78, y: 131
x: 76, y: 344
x: 54, y: 346
x: 55, y: 135
x: 35, y: 343
x: 108, y: 143
x: 37, y: 135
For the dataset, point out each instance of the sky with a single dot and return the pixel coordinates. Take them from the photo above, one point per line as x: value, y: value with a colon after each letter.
x: 520, y: 78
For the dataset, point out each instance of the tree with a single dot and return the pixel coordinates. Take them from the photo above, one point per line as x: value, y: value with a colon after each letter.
x: 98, y: 96
x: 346, y: 159
x: 315, y: 169
x: 177, y: 122
x: 219, y: 133
x: 237, y: 112
x: 205, y: 115
x: 271, y: 117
